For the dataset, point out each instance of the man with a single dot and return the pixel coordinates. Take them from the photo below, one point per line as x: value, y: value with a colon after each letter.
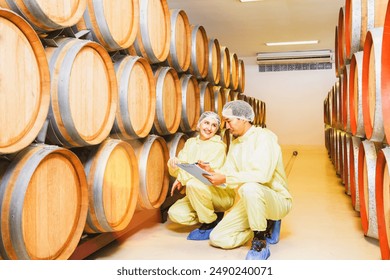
x: 254, y: 167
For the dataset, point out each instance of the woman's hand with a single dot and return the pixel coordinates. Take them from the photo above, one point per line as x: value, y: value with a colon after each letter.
x: 205, y: 165
x: 176, y: 185
x: 172, y: 162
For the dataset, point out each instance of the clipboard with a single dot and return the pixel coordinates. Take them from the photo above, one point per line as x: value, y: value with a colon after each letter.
x: 195, y: 171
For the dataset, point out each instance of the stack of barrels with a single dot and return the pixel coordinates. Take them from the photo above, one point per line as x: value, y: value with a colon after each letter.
x: 357, y: 113
x: 95, y: 96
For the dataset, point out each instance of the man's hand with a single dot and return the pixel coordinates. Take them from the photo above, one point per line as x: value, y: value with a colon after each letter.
x: 216, y: 178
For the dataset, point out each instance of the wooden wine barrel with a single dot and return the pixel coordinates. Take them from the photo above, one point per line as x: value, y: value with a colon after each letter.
x: 382, y: 198
x: 179, y: 56
x: 214, y: 63
x: 137, y: 98
x: 206, y: 96
x: 354, y: 146
x: 346, y: 114
x: 218, y: 103
x: 190, y: 104
x: 366, y: 182
x: 341, y: 40
x: 154, y: 32
x: 113, y: 23
x: 336, y: 52
x: 152, y: 154
x: 199, y: 52
x: 385, y: 74
x: 361, y: 16
x: 25, y: 86
x: 371, y: 86
x: 83, y: 98
x: 113, y: 186
x: 346, y: 163
x: 43, y: 204
x: 241, y: 76
x: 233, y: 71
x: 168, y: 101
x: 355, y: 95
x: 373, y: 16
x: 353, y: 27
x: 225, y: 67
x: 225, y: 136
x: 175, y: 144
x: 48, y: 15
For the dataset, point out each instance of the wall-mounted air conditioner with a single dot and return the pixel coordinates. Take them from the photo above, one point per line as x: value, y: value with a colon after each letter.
x: 313, y: 56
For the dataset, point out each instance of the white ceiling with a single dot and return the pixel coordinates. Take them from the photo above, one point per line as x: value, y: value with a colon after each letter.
x: 245, y: 27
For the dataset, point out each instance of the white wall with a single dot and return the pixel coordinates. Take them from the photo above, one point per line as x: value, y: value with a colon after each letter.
x: 294, y: 101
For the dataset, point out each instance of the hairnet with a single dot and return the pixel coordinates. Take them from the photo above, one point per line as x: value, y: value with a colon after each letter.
x: 209, y: 114
x: 238, y: 109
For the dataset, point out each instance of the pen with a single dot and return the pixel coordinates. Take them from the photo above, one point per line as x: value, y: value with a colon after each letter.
x: 206, y: 162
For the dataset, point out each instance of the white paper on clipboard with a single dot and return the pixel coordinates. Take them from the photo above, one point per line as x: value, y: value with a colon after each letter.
x: 195, y: 171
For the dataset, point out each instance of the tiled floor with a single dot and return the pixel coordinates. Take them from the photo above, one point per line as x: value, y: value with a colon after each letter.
x: 321, y: 226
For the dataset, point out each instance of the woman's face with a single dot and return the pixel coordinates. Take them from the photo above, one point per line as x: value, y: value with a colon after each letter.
x: 207, y: 128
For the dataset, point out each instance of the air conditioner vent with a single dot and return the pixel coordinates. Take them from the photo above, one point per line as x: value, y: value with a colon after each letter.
x: 294, y: 57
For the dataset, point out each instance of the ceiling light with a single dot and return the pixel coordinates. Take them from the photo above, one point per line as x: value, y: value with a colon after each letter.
x: 243, y: 1
x: 292, y: 43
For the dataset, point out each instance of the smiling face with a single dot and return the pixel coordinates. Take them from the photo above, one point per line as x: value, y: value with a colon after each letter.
x: 235, y: 126
x: 207, y: 128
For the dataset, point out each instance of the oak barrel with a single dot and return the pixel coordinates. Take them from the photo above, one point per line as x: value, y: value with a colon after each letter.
x: 385, y: 74
x: 233, y: 71
x: 214, y: 64
x: 168, y: 101
x: 371, y: 86
x: 199, y: 52
x: 113, y: 186
x: 382, y: 191
x: 355, y: 95
x: 48, y: 15
x: 25, y: 83
x: 179, y: 56
x: 366, y: 182
x: 152, y: 155
x: 43, y: 204
x: 137, y: 98
x: 206, y: 96
x: 241, y: 75
x: 154, y: 32
x: 225, y: 67
x: 190, y: 100
x: 113, y: 23
x: 83, y: 98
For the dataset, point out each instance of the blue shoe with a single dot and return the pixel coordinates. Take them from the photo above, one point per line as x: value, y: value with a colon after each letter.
x: 259, y: 250
x: 199, y: 234
x: 273, y: 236
x: 203, y: 232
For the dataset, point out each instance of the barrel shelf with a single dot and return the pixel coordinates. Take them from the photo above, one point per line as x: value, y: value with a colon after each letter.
x: 90, y: 244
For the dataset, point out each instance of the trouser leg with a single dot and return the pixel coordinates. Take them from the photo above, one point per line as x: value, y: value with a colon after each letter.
x: 181, y: 212
x: 206, y: 200
x: 257, y: 204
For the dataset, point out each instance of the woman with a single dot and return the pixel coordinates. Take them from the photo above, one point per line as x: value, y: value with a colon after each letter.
x: 203, y: 203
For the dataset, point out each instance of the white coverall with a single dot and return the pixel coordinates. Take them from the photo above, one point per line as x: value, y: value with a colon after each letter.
x: 201, y: 201
x: 254, y: 166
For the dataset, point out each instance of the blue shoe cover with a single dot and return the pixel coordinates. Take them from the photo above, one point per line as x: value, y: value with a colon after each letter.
x: 256, y: 255
x: 199, y: 234
x: 274, y: 237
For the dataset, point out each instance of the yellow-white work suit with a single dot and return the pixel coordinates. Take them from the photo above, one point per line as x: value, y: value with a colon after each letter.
x: 254, y: 166
x: 201, y: 201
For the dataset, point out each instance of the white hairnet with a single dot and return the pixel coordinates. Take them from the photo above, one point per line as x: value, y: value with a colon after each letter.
x: 238, y: 109
x: 209, y: 114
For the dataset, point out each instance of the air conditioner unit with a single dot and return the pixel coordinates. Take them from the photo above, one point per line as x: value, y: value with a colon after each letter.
x: 314, y: 56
